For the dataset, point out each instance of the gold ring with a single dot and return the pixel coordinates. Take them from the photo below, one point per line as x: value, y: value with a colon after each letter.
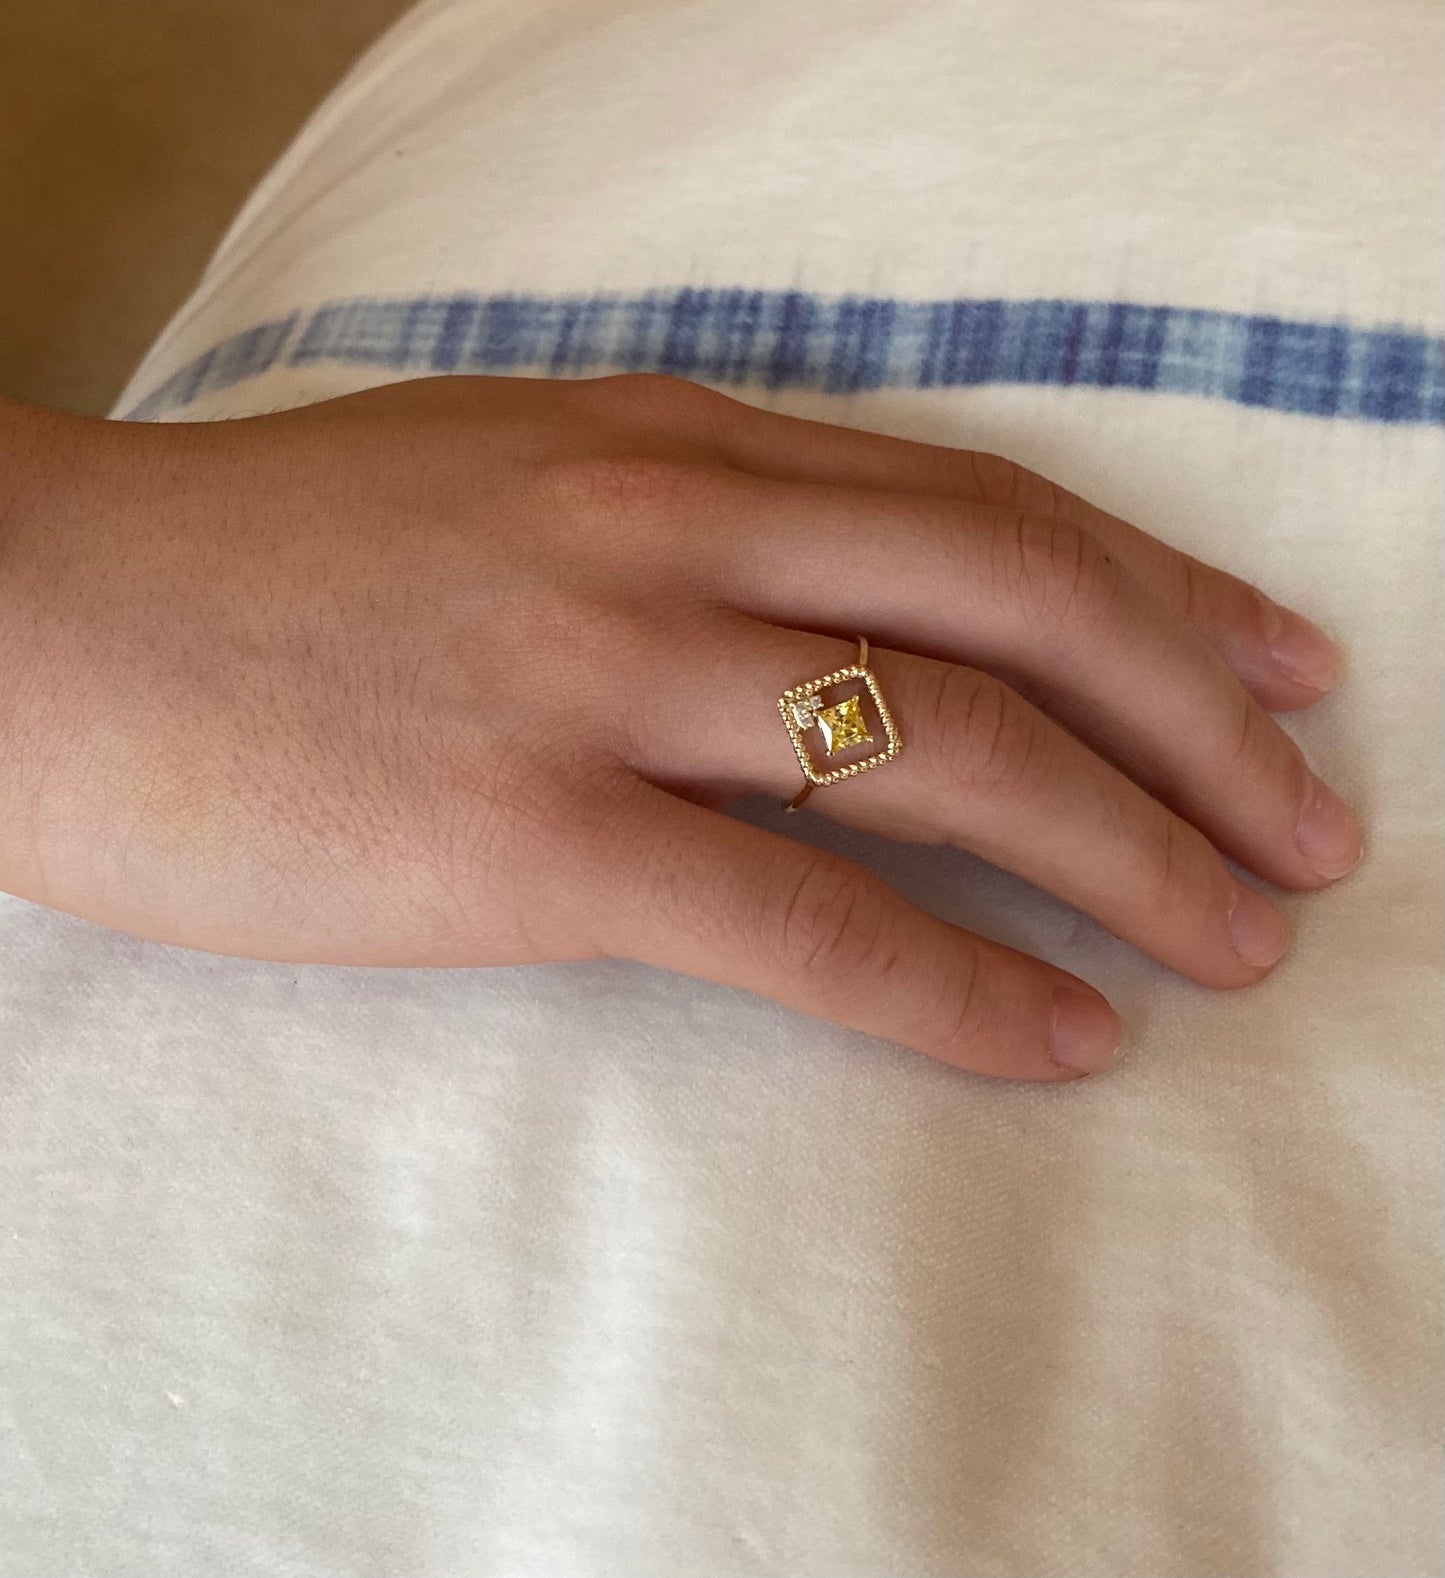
x: 842, y: 724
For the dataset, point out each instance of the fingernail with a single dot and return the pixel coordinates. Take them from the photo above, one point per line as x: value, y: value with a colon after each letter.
x: 1085, y: 1033
x: 1256, y: 928
x: 1328, y: 835
x: 1301, y: 651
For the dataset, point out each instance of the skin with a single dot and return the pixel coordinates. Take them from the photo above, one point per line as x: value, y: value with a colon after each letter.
x: 461, y: 671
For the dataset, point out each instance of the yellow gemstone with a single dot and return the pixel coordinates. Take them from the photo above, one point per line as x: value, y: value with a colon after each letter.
x: 844, y: 725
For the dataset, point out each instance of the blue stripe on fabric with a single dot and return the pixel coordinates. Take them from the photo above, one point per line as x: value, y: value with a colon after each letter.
x: 840, y: 345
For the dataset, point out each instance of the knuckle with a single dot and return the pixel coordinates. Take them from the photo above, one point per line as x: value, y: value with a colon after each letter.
x: 1249, y: 738
x: 1207, y: 598
x: 625, y: 488
x: 985, y: 737
x: 1063, y: 578
x: 1260, y: 754
x: 654, y: 396
x: 1195, y: 597
x: 996, y: 476
x: 962, y: 1023
x: 1003, y: 482
x: 1244, y: 737
x: 826, y: 918
x: 1176, y: 865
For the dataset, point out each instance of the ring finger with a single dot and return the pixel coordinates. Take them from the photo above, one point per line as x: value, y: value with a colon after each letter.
x: 982, y: 769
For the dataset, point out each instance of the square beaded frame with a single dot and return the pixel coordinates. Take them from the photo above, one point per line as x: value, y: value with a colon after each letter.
x: 800, y: 745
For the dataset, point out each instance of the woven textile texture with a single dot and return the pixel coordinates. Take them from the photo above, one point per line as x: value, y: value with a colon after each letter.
x: 595, y: 1270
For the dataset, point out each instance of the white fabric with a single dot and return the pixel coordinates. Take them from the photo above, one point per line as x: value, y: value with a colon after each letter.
x: 596, y: 1270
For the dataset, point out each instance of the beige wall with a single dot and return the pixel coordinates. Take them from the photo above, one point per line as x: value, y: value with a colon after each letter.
x: 130, y: 130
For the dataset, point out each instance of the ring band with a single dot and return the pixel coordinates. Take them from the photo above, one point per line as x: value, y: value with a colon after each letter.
x: 841, y: 724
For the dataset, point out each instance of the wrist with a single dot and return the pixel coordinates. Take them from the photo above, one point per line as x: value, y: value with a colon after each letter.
x: 21, y: 465
x: 50, y: 461
x: 50, y: 482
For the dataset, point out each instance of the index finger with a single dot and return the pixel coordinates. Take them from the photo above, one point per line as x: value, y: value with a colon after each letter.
x: 1284, y: 660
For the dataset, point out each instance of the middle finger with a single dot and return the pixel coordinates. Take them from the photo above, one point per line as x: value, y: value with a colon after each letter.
x: 1039, y: 602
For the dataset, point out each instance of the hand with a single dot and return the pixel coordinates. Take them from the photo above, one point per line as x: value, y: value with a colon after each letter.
x: 459, y: 672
